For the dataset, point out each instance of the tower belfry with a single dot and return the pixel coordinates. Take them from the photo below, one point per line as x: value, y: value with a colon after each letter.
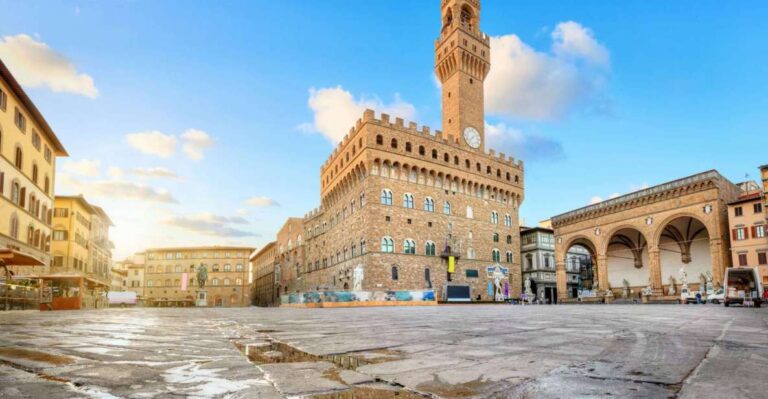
x: 462, y: 61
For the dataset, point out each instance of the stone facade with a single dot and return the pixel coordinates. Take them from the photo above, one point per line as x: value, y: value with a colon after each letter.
x: 167, y: 268
x: 263, y: 268
x: 538, y: 264
x: 651, y: 234
x: 397, y: 201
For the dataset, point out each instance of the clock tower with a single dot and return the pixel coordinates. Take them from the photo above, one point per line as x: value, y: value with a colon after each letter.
x: 462, y: 61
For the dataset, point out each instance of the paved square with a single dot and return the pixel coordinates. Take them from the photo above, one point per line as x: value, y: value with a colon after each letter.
x: 445, y: 351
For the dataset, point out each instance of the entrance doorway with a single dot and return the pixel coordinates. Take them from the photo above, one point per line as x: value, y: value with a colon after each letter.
x: 550, y: 295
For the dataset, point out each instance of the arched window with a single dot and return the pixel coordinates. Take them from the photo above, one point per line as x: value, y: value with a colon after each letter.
x: 215, y: 281
x: 429, y: 204
x: 177, y: 269
x: 467, y: 163
x: 238, y: 281
x: 509, y: 239
x: 409, y: 247
x: 508, y: 220
x: 517, y: 179
x: 434, y: 154
x: 455, y: 160
x: 394, y: 143
x: 447, y: 208
x: 379, y: 140
x: 470, y: 213
x: 495, y: 237
x: 15, y: 193
x: 422, y: 151
x: 498, y: 172
x: 446, y: 157
x: 47, y: 185
x: 496, y: 255
x: 362, y: 200
x: 167, y: 282
x: 386, y: 197
x: 427, y: 277
x: 227, y: 268
x: 387, y: 245
x: 362, y: 247
x: 215, y: 268
x: 429, y: 248
x: 177, y: 283
x: 507, y: 176
x: 394, y: 273
x: 227, y: 281
x: 478, y: 166
x: 407, y: 147
x: 34, y: 173
x: 239, y: 268
x: 509, y: 257
x: 19, y: 160
x: 470, y: 253
x: 408, y: 200
x: 488, y: 170
x: 495, y: 217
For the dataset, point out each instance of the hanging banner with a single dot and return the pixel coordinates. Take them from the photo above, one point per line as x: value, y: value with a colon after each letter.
x: 184, y: 281
x: 451, y: 264
x: 490, y: 289
x: 506, y: 289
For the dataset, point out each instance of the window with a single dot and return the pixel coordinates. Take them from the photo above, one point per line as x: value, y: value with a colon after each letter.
x: 434, y: 154
x: 387, y: 245
x: 15, y: 193
x: 758, y: 231
x: 455, y: 160
x: 470, y: 213
x: 509, y: 239
x: 20, y: 120
x: 227, y: 268
x: 19, y: 158
x: 215, y: 268
x: 762, y: 259
x: 508, y: 220
x: 59, y: 235
x: 408, y: 200
x: 34, y: 174
x: 409, y: 247
x: 238, y: 281
x: 470, y: 253
x: 496, y: 255
x: 3, y: 100
x: 529, y: 261
x: 215, y: 281
x: 362, y: 247
x: 227, y: 281
x: 429, y: 248
x: 394, y: 143
x: 758, y: 208
x: 362, y: 200
x: 447, y: 208
x: 386, y: 197
x: 394, y: 273
x: 47, y: 154
x: 738, y: 211
x: 446, y: 157
x: 471, y: 273
x: 740, y: 234
x: 742, y: 259
x: 509, y: 257
x: 495, y: 217
x: 495, y: 237
x: 407, y: 147
x: 239, y: 268
x: 177, y: 269
x: 429, y: 204
x: 421, y: 150
x: 36, y: 139
x: 379, y: 140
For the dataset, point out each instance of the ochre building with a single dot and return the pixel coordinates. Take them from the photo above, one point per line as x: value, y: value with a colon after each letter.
x: 404, y: 207
x: 263, y: 268
x: 652, y: 238
x: 170, y: 276
x: 749, y: 241
x: 28, y: 151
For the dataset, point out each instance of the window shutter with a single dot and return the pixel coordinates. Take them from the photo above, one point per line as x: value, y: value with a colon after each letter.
x: 746, y: 233
x: 754, y: 231
x: 734, y: 234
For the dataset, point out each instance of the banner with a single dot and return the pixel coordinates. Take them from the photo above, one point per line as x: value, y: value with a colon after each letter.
x: 451, y: 264
x: 184, y: 281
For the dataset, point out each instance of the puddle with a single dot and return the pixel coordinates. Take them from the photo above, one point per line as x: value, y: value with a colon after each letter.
x: 27, y: 354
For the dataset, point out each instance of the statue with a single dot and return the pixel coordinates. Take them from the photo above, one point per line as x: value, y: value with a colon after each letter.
x: 683, y: 276
x: 357, y: 278
x: 499, y: 291
x: 671, y: 290
x: 710, y: 286
x: 648, y: 290
x: 702, y: 283
x: 202, y: 276
x: 625, y: 293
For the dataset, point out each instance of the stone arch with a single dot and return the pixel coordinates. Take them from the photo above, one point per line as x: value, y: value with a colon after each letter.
x: 627, y: 258
x: 685, y: 247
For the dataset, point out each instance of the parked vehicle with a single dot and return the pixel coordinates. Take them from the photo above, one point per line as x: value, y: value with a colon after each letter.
x: 122, y: 299
x: 742, y: 286
x: 687, y: 296
x: 717, y: 297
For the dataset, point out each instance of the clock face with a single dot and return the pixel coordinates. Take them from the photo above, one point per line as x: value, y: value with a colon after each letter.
x: 472, y: 137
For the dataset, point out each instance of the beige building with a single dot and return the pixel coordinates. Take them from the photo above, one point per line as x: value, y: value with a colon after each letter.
x: 263, y: 268
x: 764, y: 177
x: 28, y: 151
x: 118, y: 278
x: 170, y: 277
x: 134, y: 279
x: 405, y: 208
x: 82, y: 252
x: 749, y: 241
x: 645, y: 238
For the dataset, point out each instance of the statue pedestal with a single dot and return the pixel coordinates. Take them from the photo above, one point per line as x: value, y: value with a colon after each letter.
x: 202, y: 299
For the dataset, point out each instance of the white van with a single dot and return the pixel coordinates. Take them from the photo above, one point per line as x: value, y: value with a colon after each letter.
x: 742, y: 285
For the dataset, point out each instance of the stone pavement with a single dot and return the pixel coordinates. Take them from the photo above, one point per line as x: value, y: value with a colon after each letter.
x: 502, y: 351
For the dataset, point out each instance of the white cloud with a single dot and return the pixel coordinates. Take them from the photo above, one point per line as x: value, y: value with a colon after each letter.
x: 336, y: 111
x: 261, y: 202
x: 115, y: 172
x: 529, y: 84
x: 596, y: 199
x: 195, y: 142
x: 83, y: 167
x: 210, y: 224
x: 154, y: 172
x: 528, y: 147
x: 34, y: 64
x: 153, y: 143
x: 118, y: 189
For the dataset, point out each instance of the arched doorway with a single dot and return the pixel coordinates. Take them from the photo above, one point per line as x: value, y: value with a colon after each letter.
x: 684, y: 250
x: 218, y: 301
x: 581, y: 272
x: 628, y: 262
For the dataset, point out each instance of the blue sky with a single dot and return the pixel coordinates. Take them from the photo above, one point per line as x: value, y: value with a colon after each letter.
x: 598, y: 98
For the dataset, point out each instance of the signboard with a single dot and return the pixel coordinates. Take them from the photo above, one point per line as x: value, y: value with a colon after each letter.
x: 497, y: 271
x: 451, y: 264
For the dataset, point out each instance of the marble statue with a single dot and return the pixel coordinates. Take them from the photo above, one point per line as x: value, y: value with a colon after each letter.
x: 625, y: 291
x: 357, y: 278
x: 648, y: 290
x: 671, y: 290
x: 683, y: 276
x: 710, y: 286
x: 499, y: 291
x: 702, y: 283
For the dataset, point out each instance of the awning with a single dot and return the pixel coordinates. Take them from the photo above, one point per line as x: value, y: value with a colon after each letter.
x: 60, y: 277
x: 10, y: 257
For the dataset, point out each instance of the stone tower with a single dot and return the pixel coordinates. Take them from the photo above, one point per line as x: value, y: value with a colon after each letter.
x: 462, y: 61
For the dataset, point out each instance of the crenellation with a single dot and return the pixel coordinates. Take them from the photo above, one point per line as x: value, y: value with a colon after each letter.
x: 399, y: 122
x: 412, y: 127
x: 385, y: 119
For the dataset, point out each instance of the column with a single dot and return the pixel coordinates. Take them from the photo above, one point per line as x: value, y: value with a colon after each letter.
x: 718, y: 259
x: 562, y: 281
x: 602, y: 272
x: 655, y: 270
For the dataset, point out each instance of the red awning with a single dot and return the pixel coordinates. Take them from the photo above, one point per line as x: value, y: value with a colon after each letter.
x: 10, y: 257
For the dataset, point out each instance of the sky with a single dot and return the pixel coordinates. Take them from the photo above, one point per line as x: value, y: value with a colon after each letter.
x: 195, y: 122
